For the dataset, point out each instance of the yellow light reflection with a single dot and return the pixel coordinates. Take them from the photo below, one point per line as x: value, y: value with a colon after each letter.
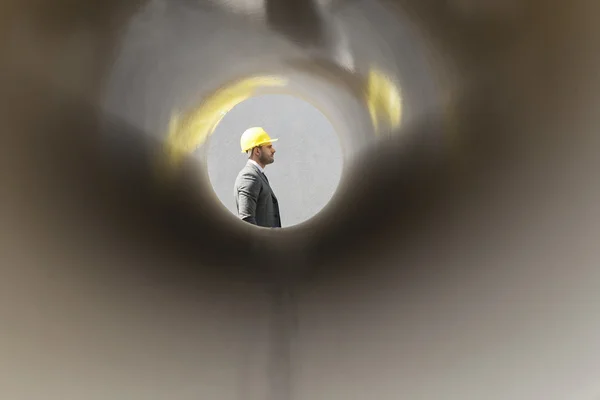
x: 189, y: 130
x: 383, y: 101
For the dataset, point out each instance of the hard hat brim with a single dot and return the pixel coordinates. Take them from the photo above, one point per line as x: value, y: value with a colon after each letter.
x: 260, y: 144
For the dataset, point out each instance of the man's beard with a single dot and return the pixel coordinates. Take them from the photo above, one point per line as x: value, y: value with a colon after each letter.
x: 264, y: 159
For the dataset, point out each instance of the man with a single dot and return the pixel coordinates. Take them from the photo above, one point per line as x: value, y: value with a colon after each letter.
x: 256, y: 203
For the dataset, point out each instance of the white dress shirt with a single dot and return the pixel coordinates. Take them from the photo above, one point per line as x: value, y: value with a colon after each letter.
x: 261, y: 169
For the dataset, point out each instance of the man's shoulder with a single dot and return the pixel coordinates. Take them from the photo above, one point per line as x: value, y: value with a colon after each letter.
x: 249, y: 169
x: 247, y: 173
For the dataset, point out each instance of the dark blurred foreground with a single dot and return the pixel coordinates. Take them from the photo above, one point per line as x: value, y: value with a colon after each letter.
x: 478, y: 279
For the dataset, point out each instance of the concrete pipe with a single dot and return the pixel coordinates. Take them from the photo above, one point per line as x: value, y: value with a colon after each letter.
x: 457, y: 260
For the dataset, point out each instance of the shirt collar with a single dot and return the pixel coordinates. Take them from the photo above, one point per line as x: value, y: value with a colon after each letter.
x: 261, y: 169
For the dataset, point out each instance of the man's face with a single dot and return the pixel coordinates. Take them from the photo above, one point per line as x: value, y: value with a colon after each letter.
x: 266, y: 154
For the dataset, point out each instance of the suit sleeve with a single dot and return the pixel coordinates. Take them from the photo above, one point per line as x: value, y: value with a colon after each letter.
x: 247, y: 193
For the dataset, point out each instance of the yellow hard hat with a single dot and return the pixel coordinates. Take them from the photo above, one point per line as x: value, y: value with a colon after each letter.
x: 254, y: 137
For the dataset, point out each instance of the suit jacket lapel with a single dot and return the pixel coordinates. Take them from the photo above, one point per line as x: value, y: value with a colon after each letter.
x: 263, y: 177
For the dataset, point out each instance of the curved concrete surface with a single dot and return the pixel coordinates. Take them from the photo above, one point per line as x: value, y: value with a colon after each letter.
x: 478, y: 279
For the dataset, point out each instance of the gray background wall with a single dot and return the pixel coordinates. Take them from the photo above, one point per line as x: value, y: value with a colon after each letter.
x: 308, y: 163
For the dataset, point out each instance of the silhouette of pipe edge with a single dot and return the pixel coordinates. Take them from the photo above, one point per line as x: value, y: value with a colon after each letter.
x: 97, y: 294
x: 188, y: 131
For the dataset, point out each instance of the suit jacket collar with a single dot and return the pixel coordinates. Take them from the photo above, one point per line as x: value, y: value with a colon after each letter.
x: 255, y: 164
x: 260, y: 173
x: 262, y: 176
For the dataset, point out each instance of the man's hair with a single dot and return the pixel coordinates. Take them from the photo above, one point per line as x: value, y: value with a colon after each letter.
x: 251, y: 151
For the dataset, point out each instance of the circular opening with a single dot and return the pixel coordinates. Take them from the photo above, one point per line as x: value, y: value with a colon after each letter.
x: 308, y: 161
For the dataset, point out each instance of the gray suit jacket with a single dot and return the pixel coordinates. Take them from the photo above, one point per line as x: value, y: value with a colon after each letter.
x: 256, y: 203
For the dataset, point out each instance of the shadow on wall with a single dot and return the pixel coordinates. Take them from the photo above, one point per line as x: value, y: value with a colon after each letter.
x: 308, y: 163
